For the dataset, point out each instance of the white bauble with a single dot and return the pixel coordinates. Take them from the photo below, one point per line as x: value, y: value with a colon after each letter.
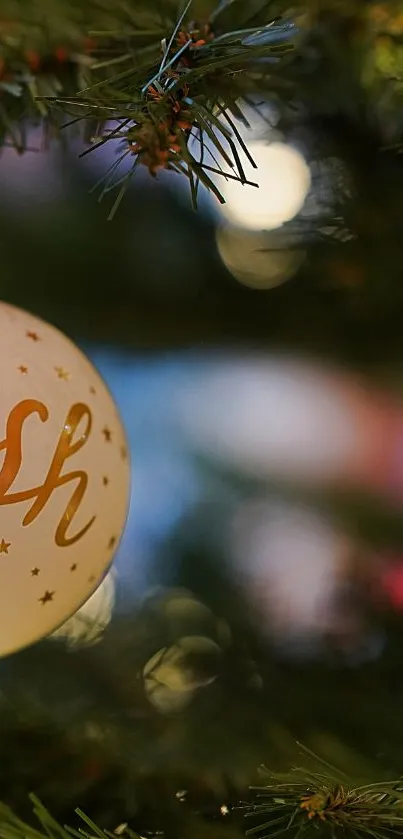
x: 88, y: 625
x: 64, y: 479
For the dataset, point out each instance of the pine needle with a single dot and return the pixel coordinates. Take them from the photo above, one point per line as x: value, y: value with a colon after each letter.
x: 308, y: 798
x: 199, y: 77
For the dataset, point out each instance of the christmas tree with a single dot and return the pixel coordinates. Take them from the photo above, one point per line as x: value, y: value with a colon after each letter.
x: 249, y: 679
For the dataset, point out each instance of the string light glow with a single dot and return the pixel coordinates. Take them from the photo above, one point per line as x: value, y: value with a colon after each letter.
x: 283, y: 179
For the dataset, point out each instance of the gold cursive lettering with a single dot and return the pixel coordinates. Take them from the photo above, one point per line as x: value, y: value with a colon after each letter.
x: 66, y: 447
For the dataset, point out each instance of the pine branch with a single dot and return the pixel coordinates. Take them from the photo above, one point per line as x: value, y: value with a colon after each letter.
x: 12, y: 827
x: 156, y: 76
x: 152, y: 78
x: 317, y: 796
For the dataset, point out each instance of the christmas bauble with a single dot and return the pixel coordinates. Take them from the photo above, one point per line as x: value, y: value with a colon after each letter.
x: 64, y: 479
x: 87, y: 626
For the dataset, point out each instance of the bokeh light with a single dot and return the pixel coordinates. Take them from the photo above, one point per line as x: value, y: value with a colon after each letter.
x: 286, y: 418
x: 284, y: 179
x: 292, y: 562
x: 254, y: 259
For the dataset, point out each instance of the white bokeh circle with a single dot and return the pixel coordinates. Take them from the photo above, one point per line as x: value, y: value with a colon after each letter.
x: 283, y: 178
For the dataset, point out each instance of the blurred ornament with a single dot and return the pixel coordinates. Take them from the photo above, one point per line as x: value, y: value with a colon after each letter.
x: 298, y: 571
x: 64, y: 479
x: 292, y: 420
x: 346, y: 273
x: 386, y: 17
x: 388, y: 583
x: 87, y: 626
x: 291, y: 562
x: 255, y: 259
x: 388, y: 58
x: 175, y: 674
x: 382, y: 67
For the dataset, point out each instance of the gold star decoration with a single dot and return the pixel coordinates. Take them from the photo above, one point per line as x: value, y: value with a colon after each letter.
x: 112, y: 542
x: 35, y: 572
x: 62, y: 374
x: 105, y: 481
x: 107, y: 434
x: 91, y: 579
x: 73, y: 567
x: 4, y: 546
x: 123, y: 452
x: 23, y: 369
x: 47, y: 597
x: 92, y: 390
x: 33, y: 336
